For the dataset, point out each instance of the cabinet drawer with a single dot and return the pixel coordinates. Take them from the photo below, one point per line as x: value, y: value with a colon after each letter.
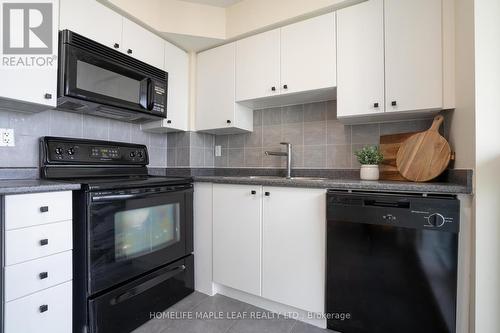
x: 25, y: 315
x: 24, y: 210
x: 35, y: 275
x: 29, y: 243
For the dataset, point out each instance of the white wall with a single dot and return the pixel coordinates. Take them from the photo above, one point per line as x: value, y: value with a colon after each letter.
x: 462, y: 120
x: 176, y: 16
x: 487, y: 201
x: 251, y: 15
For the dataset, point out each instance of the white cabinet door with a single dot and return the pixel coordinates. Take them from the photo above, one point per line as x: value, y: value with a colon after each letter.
x: 31, y: 78
x: 92, y: 20
x: 237, y: 236
x: 24, y: 210
x: 35, y: 275
x: 177, y: 66
x: 258, y: 66
x: 413, y: 55
x: 215, y: 82
x: 293, y: 254
x: 35, y: 242
x: 143, y: 44
x: 360, y: 59
x: 25, y: 315
x: 308, y: 55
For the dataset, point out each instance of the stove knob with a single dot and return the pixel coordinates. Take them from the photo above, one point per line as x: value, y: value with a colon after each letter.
x: 436, y: 220
x: 71, y: 151
x: 59, y: 151
x: 139, y: 154
x: 132, y: 154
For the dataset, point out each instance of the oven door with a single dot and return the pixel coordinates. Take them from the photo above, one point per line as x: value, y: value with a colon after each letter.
x: 133, y: 232
x: 96, y: 78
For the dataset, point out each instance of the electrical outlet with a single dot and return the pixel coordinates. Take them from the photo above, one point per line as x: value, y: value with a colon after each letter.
x: 218, y: 150
x: 7, y: 137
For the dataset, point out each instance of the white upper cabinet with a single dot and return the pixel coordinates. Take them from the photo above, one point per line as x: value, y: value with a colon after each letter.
x: 290, y: 65
x: 237, y: 236
x: 258, y: 66
x: 142, y: 44
x: 394, y: 58
x: 177, y: 66
x: 413, y: 55
x: 308, y: 55
x: 31, y: 87
x: 92, y: 20
x: 216, y: 109
x: 360, y: 59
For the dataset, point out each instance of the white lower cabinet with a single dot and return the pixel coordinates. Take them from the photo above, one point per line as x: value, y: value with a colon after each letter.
x: 29, y: 277
x: 270, y: 242
x: 293, y: 252
x: 237, y: 236
x: 38, y: 268
x: 47, y: 311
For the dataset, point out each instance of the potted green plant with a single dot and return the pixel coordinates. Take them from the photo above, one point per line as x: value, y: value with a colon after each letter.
x: 369, y: 157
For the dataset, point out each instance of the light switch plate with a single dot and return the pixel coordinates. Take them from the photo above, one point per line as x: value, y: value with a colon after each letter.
x: 218, y: 150
x: 7, y: 137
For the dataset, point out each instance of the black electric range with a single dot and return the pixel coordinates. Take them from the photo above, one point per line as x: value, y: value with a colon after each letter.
x: 132, y: 233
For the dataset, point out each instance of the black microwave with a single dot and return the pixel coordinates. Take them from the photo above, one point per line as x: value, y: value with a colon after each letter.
x: 97, y: 80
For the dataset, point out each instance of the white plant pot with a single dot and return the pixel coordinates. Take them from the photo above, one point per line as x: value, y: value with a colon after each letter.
x: 369, y: 172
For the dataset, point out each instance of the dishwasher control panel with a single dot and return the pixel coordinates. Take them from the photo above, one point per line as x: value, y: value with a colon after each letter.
x: 410, y: 211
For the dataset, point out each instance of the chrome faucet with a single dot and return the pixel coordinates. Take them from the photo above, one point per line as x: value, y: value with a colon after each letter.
x: 288, y: 155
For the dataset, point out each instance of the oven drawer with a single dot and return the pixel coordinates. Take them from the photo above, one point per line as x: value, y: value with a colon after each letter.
x: 35, y: 275
x: 154, y: 292
x: 36, y: 242
x: 46, y: 311
x: 24, y: 210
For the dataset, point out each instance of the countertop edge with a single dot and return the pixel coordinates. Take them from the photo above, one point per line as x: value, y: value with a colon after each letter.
x: 347, y: 184
x: 37, y: 188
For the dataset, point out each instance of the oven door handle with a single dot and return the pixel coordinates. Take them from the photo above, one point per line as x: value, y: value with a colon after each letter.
x: 118, y: 197
x: 147, y: 285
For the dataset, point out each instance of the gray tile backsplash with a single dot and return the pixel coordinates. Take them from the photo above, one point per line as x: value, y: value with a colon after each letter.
x: 28, y: 128
x: 319, y: 140
x: 191, y: 149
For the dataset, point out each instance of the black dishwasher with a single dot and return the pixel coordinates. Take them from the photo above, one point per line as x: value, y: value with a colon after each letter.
x: 391, y: 262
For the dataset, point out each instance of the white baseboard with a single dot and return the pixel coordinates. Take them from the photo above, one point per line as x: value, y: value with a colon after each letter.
x: 269, y: 305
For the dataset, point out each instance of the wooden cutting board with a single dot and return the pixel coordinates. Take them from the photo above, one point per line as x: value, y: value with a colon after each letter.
x: 389, y: 146
x: 425, y: 155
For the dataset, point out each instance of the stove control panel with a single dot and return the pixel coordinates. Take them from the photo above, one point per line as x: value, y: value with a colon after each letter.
x: 75, y: 151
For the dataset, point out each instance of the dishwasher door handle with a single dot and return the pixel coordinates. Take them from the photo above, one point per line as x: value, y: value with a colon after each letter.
x: 389, y: 204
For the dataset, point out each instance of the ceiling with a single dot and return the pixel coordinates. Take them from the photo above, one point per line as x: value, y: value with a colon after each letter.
x: 216, y: 3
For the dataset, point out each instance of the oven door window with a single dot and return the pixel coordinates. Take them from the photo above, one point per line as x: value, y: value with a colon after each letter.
x: 146, y: 230
x: 101, y: 80
x: 132, y: 236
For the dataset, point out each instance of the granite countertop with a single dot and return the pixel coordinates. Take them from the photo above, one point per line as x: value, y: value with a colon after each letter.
x: 17, y: 186
x: 342, y: 184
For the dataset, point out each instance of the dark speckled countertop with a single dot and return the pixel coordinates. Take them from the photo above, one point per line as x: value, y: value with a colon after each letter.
x: 341, y: 184
x: 17, y: 186
x: 451, y: 182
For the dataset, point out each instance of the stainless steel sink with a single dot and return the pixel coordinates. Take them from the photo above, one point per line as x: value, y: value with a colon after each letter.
x: 293, y: 178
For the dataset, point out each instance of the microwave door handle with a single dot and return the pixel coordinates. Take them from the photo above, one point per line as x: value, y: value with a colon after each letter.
x: 147, y: 285
x: 150, y: 95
